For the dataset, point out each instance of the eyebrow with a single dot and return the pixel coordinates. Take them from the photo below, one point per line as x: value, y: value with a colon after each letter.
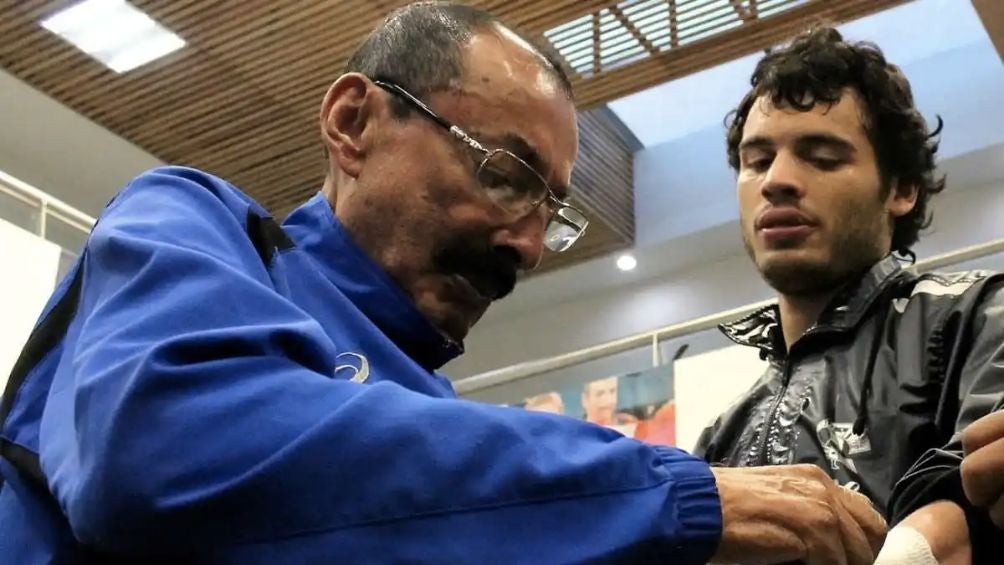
x: 756, y: 142
x: 527, y: 152
x: 826, y: 140
x: 809, y: 140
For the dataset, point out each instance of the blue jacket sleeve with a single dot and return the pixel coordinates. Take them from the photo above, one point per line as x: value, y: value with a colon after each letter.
x: 188, y: 413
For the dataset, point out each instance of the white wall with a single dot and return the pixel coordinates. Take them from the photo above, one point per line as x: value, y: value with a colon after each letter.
x: 48, y: 145
x: 30, y: 265
x: 705, y: 385
x: 723, y: 284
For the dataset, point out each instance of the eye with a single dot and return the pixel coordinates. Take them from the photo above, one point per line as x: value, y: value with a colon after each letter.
x: 759, y: 164
x: 494, y: 177
x: 826, y: 163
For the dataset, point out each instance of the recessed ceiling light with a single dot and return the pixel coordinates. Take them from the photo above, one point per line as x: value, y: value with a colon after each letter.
x: 114, y: 32
x: 627, y: 262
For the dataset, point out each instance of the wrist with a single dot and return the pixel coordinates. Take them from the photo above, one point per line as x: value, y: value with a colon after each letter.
x: 942, y: 525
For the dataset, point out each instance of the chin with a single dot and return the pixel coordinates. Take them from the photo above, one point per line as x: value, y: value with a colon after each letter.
x: 452, y: 327
x: 789, y: 259
x: 798, y: 271
x: 452, y: 323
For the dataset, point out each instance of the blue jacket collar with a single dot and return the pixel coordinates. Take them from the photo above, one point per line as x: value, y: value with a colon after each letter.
x: 317, y: 232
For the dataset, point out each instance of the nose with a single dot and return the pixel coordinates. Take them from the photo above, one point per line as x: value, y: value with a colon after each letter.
x: 783, y: 181
x: 526, y: 236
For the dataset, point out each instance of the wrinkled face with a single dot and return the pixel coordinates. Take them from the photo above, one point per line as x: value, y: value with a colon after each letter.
x: 416, y: 206
x: 812, y: 206
x: 599, y: 400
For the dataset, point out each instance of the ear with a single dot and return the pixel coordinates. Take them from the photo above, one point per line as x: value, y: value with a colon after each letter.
x: 902, y: 199
x: 347, y: 122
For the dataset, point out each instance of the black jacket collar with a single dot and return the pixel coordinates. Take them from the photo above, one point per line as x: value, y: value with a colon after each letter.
x: 762, y: 329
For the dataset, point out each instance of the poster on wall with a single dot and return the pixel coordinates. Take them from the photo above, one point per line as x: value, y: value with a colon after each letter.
x: 638, y: 405
x: 708, y: 383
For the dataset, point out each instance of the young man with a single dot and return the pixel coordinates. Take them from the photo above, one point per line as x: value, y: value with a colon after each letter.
x: 210, y: 387
x: 870, y: 365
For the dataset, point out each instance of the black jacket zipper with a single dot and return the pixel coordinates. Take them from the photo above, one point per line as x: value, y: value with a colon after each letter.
x: 787, y: 366
x: 771, y: 416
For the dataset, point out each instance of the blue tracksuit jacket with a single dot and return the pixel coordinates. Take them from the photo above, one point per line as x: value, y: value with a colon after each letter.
x: 207, y: 387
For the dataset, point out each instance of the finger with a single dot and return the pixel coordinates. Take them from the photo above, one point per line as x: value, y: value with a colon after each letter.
x: 763, y: 543
x: 821, y: 527
x: 982, y: 432
x: 983, y: 474
x: 824, y: 544
x: 997, y: 512
x: 856, y: 544
x: 871, y: 522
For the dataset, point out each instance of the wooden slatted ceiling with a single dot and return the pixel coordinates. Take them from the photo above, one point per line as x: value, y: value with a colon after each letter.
x: 748, y: 37
x: 991, y: 13
x: 241, y: 99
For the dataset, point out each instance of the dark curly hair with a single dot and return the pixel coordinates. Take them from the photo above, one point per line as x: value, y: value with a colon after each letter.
x: 816, y: 68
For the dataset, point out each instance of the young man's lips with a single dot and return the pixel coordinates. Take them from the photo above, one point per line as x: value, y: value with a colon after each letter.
x: 784, y: 224
x: 784, y: 217
x: 786, y: 233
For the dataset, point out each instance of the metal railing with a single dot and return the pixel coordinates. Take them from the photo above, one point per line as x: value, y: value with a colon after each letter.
x: 48, y: 206
x: 540, y: 367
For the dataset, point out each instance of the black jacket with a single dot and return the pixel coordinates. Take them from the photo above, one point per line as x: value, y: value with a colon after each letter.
x: 896, y: 366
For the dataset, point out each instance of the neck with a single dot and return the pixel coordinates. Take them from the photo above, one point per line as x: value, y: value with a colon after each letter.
x: 799, y: 313
x: 329, y: 189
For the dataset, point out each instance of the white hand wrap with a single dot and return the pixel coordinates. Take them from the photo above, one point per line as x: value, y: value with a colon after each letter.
x: 905, y: 546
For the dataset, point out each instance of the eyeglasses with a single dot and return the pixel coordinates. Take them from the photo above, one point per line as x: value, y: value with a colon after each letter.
x: 512, y: 184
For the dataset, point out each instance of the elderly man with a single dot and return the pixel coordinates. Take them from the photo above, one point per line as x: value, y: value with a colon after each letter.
x: 210, y: 386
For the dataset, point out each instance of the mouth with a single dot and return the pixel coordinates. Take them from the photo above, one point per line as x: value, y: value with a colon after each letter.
x: 478, y: 294
x: 783, y: 225
x: 475, y: 275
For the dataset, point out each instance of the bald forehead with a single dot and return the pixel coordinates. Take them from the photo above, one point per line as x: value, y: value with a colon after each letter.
x: 510, y: 97
x: 498, y: 55
x: 532, y: 52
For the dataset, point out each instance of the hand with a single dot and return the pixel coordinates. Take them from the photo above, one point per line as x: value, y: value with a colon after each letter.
x: 983, y: 465
x: 794, y: 513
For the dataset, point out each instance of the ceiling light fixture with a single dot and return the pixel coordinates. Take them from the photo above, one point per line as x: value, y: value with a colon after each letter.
x: 114, y: 32
x: 627, y: 262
